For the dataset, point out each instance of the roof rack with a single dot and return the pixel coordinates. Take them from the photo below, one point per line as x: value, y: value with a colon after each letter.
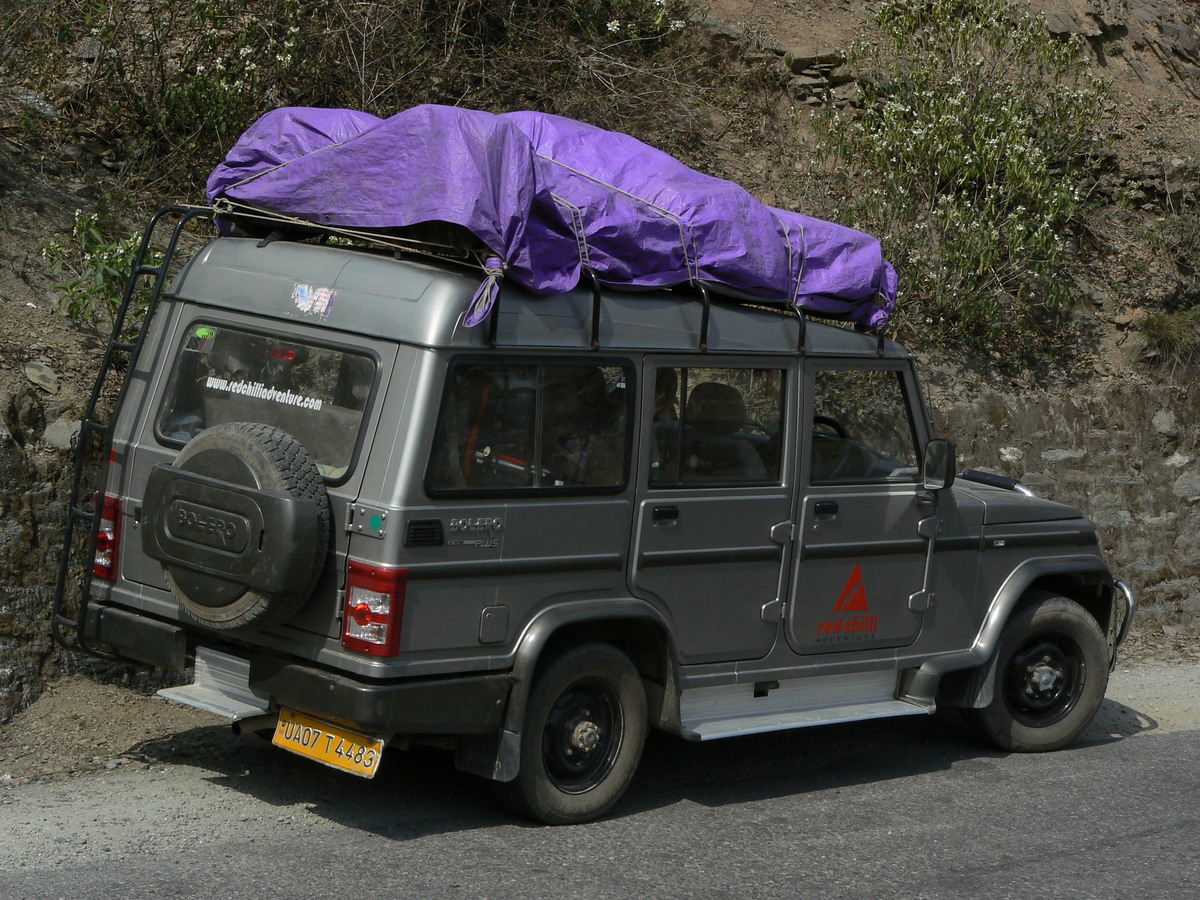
x: 440, y: 245
x: 269, y: 226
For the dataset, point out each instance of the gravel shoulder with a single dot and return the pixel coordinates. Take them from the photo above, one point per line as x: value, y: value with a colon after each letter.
x: 81, y: 726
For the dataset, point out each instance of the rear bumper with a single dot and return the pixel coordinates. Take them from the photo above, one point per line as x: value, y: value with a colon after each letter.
x: 471, y: 704
x: 136, y: 637
x: 468, y: 704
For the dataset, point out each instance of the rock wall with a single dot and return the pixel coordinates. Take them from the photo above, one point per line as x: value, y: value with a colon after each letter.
x: 31, y: 486
x: 1167, y: 31
x: 36, y: 461
x: 1124, y: 451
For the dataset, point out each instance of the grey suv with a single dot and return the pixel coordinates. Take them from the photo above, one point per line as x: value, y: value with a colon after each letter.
x: 366, y: 524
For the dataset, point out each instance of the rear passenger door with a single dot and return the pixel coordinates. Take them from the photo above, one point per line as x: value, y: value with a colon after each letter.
x: 712, y: 525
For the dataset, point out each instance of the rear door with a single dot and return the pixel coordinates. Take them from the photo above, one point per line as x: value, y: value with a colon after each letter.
x: 316, y: 385
x: 713, y: 526
x: 859, y: 581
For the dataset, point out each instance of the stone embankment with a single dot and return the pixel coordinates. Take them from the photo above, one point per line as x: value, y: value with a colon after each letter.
x: 1126, y: 452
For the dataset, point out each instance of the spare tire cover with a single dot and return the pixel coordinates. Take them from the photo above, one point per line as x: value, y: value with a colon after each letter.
x: 240, y: 467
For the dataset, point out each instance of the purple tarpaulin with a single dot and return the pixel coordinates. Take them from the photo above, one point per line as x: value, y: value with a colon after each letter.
x: 548, y: 195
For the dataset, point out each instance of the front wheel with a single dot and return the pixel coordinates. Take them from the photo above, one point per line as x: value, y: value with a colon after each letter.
x: 1050, y: 678
x: 584, y: 729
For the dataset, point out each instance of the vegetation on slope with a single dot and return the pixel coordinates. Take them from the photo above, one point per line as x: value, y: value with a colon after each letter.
x: 974, y: 149
x: 173, y: 84
x: 978, y: 132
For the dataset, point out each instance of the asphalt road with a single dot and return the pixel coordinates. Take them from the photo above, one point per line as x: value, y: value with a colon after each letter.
x: 908, y: 808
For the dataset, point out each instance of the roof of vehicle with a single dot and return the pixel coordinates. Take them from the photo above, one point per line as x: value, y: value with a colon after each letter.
x: 424, y: 301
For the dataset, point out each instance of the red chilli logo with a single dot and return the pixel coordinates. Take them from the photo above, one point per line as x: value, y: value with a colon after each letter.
x: 853, y: 600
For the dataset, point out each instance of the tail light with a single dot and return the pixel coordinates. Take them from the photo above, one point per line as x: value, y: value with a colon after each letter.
x: 107, y: 535
x: 374, y: 608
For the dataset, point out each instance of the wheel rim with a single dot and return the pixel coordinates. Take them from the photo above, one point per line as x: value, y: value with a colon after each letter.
x: 582, y: 736
x: 1044, y: 680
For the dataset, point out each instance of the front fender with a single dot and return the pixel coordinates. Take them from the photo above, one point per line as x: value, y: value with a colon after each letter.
x: 1079, y: 569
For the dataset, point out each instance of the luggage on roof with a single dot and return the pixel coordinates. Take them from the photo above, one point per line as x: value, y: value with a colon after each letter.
x: 547, y: 196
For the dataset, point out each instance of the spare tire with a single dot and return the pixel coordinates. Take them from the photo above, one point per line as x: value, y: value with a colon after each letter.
x: 241, y: 525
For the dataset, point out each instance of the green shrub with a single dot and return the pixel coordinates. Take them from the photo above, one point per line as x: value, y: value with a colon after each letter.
x: 1174, y: 335
x: 173, y: 85
x: 974, y: 130
x: 96, y: 268
x: 1173, y: 240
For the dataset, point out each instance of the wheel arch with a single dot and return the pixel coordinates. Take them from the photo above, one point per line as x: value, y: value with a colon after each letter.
x: 633, y: 626
x: 1094, y: 594
x: 964, y: 678
x: 1086, y: 580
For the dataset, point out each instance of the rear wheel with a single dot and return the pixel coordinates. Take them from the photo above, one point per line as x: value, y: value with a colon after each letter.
x: 584, y: 729
x: 1050, y: 678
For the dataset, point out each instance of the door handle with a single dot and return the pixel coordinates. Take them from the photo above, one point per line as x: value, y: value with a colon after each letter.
x: 825, y: 509
x: 665, y: 514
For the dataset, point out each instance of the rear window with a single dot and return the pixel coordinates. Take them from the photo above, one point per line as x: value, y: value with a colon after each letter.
x: 315, y: 393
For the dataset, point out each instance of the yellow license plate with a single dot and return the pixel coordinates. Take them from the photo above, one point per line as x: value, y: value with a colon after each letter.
x: 329, y: 744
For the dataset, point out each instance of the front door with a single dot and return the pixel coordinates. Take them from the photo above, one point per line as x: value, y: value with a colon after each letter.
x: 859, y: 583
x: 713, y: 529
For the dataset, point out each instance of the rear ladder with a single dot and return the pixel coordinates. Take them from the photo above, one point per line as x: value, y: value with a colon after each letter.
x: 96, y: 433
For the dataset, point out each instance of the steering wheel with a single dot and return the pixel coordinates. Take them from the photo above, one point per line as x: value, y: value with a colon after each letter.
x: 830, y: 424
x: 827, y: 428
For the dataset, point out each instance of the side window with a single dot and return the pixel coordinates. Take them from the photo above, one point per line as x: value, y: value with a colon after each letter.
x: 509, y: 427
x: 716, y: 426
x: 862, y: 430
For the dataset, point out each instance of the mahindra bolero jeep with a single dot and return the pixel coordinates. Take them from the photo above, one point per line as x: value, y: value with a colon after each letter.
x: 365, y: 524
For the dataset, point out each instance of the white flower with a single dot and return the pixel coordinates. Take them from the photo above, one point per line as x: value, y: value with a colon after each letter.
x: 614, y: 26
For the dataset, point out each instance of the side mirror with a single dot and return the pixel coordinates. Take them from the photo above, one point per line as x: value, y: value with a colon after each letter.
x: 938, y: 471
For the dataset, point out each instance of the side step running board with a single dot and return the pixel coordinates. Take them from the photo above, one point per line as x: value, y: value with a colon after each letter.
x: 740, y: 709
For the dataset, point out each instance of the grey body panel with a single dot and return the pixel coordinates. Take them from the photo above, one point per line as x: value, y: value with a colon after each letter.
x: 859, y: 566
x: 710, y: 564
